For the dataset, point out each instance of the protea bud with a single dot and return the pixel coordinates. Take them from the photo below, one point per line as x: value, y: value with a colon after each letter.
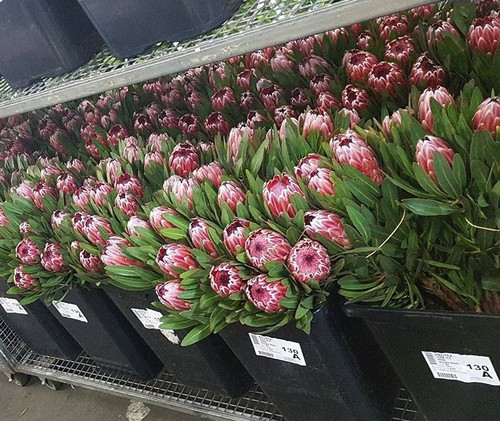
x: 23, y: 280
x: 386, y: 76
x: 244, y: 78
x: 75, y: 165
x: 277, y: 194
x: 224, y: 97
x: 183, y: 159
x: 354, y: 98
x: 321, y: 181
x: 215, y: 122
x: 225, y: 279
x: 78, y: 222
x: 48, y: 172
x: 327, y: 101
x: 299, y: 98
x: 307, y: 165
x: 423, y: 11
x: 234, y: 235
x: 350, y: 148
x: 235, y: 138
x: 57, y: 142
x: 58, y: 217
x: 182, y: 188
x: 352, y: 116
x: 266, y: 295
x: 112, y: 254
x: 389, y: 121
x: 212, y: 172
x: 436, y: 31
x: 264, y: 246
x: 365, y: 41
x: 27, y: 252
x: 441, y: 95
x: 400, y: 49
x: 285, y: 126
x: 135, y: 222
x: 24, y: 227
x: 200, y: 237
x: 131, y: 150
x: 168, y: 294
x: 189, y: 124
x: 25, y: 190
x: 168, y: 120
x: 231, y: 194
x: 172, y: 256
x: 254, y: 119
x: 112, y: 168
x: 100, y: 192
x: 93, y: 227
x: 328, y: 225
x: 308, y: 260
x: 247, y: 100
x: 156, y: 141
x: 90, y: 262
x: 153, y: 157
x: 358, y: 65
x: 143, y: 125
x: 487, y: 116
x: 40, y: 191
x: 425, y: 151
x: 127, y: 183
x: 317, y: 121
x: 51, y: 258
x: 117, y: 133
x: 392, y: 25
x: 126, y: 204
x: 284, y: 112
x: 313, y: 65
x: 257, y: 58
x: 281, y: 62
x: 271, y: 97
x: 320, y: 83
x: 427, y: 73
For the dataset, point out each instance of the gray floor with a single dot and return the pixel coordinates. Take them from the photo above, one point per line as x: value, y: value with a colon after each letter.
x: 35, y: 402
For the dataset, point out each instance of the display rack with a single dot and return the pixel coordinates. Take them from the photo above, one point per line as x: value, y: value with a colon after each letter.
x: 163, y: 391
x: 258, y: 24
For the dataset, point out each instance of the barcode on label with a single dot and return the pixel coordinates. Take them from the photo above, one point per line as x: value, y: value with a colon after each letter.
x: 447, y: 375
x: 266, y: 354
x: 430, y: 358
x: 254, y: 339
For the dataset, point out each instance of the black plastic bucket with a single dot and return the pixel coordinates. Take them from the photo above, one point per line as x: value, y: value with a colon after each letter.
x: 102, y: 331
x: 208, y: 364
x: 43, y: 38
x: 405, y: 335
x: 36, y: 326
x: 129, y: 27
x: 345, y: 376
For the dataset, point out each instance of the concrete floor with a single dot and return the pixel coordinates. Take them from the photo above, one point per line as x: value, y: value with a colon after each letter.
x: 35, y: 402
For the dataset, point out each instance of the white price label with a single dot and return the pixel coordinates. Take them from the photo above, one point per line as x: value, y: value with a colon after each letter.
x: 150, y: 319
x: 171, y: 336
x: 462, y: 368
x: 11, y: 305
x: 278, y: 349
x: 70, y: 311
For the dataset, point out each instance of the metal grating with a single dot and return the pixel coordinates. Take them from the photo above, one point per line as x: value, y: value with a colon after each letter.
x: 258, y: 24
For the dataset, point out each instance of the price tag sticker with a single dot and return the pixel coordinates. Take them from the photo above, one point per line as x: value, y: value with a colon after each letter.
x: 278, y: 349
x: 69, y: 311
x: 11, y: 305
x: 150, y: 319
x: 462, y: 368
x: 171, y: 336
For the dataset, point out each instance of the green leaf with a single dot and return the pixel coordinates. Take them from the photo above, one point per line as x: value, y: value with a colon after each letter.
x: 491, y: 283
x: 359, y: 222
x: 425, y: 181
x: 429, y: 207
x: 441, y: 265
x: 176, y: 324
x: 196, y: 334
x: 445, y: 176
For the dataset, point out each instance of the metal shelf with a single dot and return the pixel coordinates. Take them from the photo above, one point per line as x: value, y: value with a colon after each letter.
x: 258, y: 24
x: 162, y: 391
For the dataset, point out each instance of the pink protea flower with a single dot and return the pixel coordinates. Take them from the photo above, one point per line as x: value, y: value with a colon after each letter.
x: 127, y: 183
x: 183, y: 159
x: 427, y: 73
x: 135, y: 222
x: 317, y: 121
x: 157, y: 219
x: 423, y: 11
x: 244, y: 78
x: 400, y: 49
x: 25, y: 190
x: 231, y: 194
x: 386, y: 76
x: 40, y: 191
x: 212, y: 172
x: 143, y: 125
x: 247, y: 100
x: 365, y: 41
x: 271, y: 97
x: 126, y: 204
x: 172, y: 256
x: 100, y: 193
x: 264, y: 246
x: 168, y: 120
x: 441, y: 95
x: 281, y: 62
x: 131, y: 150
x: 24, y: 227
x: 358, y: 65
x: 254, y: 118
x: 266, y: 295
x: 321, y: 181
x: 285, y: 126
x: 51, y: 258
x: 198, y: 232
x: 47, y: 127
x: 57, y: 142
x: 320, y: 83
x: 308, y: 260
x: 327, y: 101
x: 27, y: 252
x: 235, y: 138
x: 90, y: 262
x: 350, y: 148
x: 189, y: 124
x: 312, y: 65
x: 93, y: 227
x: 75, y: 165
x: 23, y: 280
x: 352, y: 115
x: 389, y: 121
x: 484, y: 34
x: 48, y: 172
x: 258, y: 58
x: 284, y: 112
x: 153, y: 157
x: 215, y: 122
x: 277, y: 194
x: 78, y: 222
x: 307, y: 165
x: 354, y: 98
x: 224, y: 97
x: 487, y: 116
x: 328, y: 225
x: 299, y: 98
x: 66, y: 183
x: 112, y: 254
x: 112, y: 168
x: 181, y: 188
x: 168, y: 294
x: 335, y: 34
x: 156, y: 141
x: 392, y: 25
x: 436, y: 31
x: 424, y: 154
x: 225, y: 279
x: 234, y: 235
x: 58, y: 217
x: 117, y: 133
